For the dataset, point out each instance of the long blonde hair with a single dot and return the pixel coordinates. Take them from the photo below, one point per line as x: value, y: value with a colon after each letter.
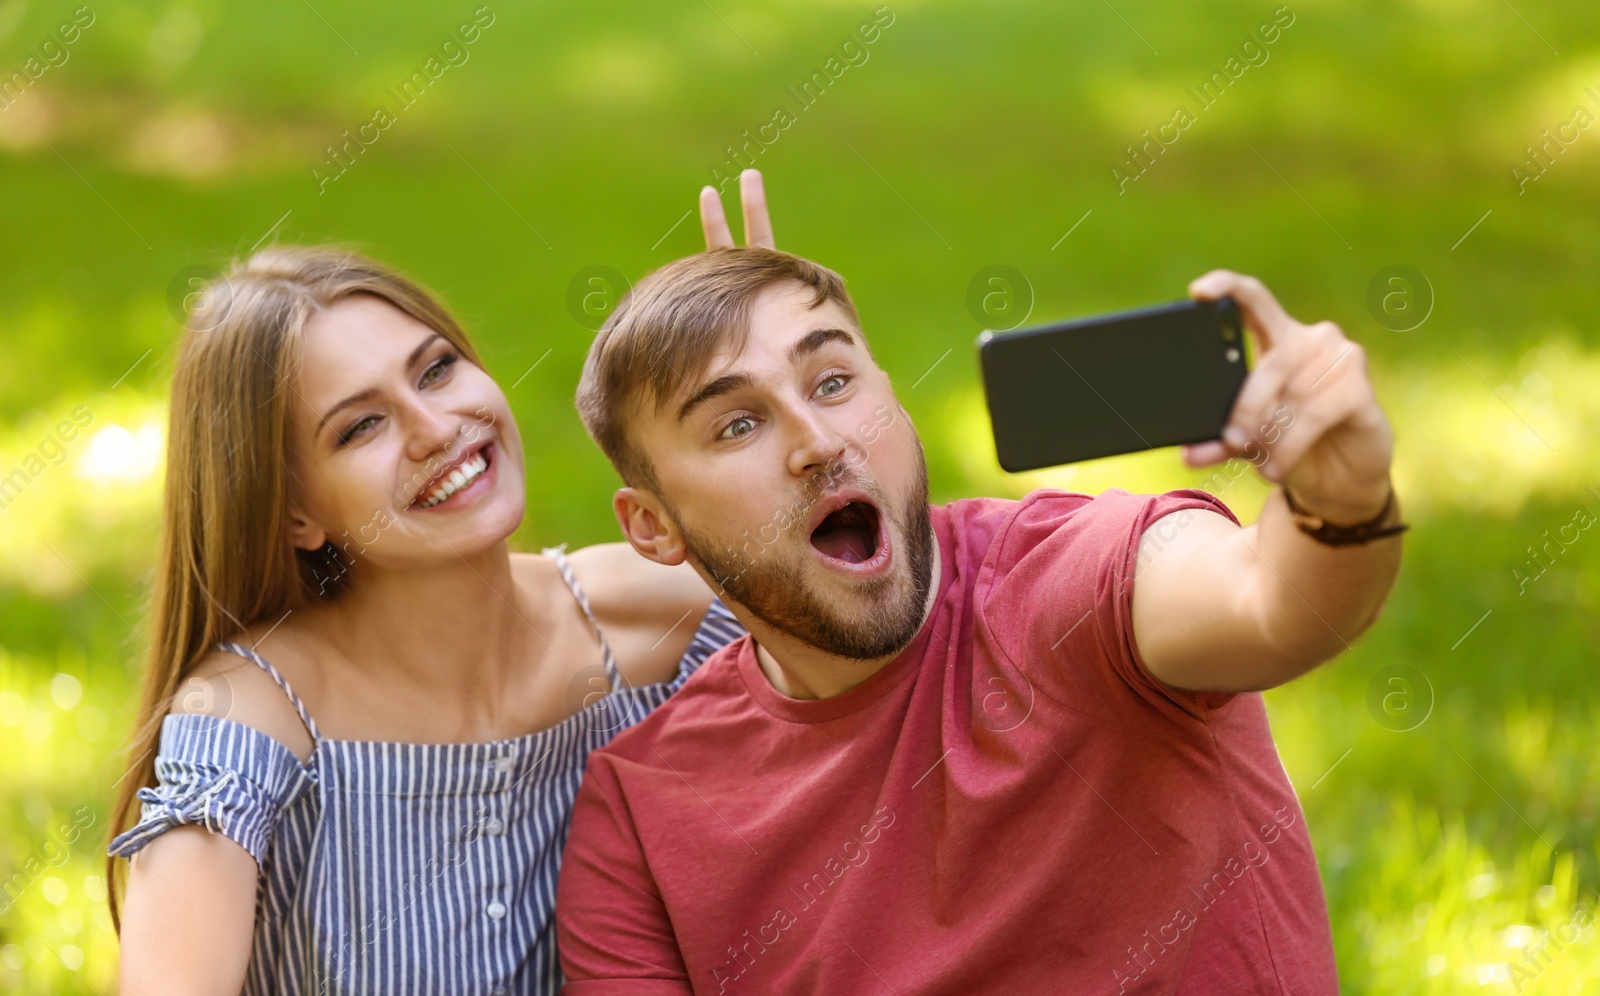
x: 225, y: 561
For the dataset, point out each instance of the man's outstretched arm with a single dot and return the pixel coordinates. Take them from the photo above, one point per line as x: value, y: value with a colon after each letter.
x: 1220, y: 608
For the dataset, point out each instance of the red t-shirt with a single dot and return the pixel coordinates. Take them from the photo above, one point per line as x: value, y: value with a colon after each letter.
x: 1012, y: 805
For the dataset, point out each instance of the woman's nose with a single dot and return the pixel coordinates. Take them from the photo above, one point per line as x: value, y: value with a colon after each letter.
x: 429, y: 431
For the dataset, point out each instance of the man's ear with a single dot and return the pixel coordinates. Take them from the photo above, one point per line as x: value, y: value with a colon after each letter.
x: 305, y: 534
x: 648, y: 528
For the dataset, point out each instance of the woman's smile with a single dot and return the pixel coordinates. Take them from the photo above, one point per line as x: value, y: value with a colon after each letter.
x: 459, y: 484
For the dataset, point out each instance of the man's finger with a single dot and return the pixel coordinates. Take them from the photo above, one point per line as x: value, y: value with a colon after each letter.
x: 753, y: 198
x: 713, y: 222
x: 1313, y: 420
x: 1334, y: 359
x: 1260, y: 394
x: 1205, y: 454
x: 1262, y: 313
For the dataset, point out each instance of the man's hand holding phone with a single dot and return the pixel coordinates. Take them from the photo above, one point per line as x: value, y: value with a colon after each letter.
x: 1333, y: 452
x: 1222, y: 608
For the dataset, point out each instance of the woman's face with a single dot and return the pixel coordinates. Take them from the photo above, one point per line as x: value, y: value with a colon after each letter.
x: 405, y: 453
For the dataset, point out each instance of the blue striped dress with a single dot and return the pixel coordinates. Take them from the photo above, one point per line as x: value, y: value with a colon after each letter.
x: 391, y: 868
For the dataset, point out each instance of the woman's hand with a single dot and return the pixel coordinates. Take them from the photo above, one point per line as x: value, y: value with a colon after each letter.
x: 753, y: 199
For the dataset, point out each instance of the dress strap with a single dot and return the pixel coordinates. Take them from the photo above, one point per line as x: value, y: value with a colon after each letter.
x: 272, y: 672
x: 558, y: 554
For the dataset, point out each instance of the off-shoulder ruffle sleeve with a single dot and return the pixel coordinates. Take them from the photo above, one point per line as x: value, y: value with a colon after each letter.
x: 224, y: 776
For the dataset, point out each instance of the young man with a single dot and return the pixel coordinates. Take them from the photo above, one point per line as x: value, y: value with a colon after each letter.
x: 962, y: 751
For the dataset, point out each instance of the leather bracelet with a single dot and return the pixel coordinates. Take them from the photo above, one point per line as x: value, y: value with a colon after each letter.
x: 1324, y: 532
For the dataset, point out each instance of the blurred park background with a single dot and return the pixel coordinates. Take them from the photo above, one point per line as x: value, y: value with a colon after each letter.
x: 1447, y: 764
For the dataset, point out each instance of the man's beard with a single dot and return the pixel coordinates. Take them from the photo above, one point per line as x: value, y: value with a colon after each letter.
x: 773, y: 587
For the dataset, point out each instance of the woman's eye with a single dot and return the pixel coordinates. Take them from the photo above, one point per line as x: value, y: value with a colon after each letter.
x: 833, y: 385
x: 738, y: 427
x: 360, y: 426
x: 438, y: 369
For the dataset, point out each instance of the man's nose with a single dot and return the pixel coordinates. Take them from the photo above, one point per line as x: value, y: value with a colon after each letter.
x: 816, y: 445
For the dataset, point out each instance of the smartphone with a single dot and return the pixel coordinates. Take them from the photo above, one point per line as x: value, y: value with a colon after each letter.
x: 1121, y: 383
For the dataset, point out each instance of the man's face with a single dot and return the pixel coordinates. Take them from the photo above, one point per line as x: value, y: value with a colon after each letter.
x: 797, y: 482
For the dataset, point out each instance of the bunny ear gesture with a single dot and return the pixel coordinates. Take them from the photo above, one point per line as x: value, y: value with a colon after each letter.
x: 753, y: 201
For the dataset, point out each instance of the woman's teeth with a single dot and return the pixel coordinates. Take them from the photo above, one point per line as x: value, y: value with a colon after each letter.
x: 456, y: 480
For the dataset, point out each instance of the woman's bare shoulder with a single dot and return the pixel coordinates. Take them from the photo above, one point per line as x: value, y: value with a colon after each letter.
x: 648, y: 612
x: 228, y: 686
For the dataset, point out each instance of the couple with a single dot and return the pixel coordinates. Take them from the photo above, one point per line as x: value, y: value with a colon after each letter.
x: 961, y: 750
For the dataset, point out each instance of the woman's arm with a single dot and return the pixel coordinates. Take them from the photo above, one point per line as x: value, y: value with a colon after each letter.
x: 188, y: 919
x: 648, y: 612
x: 189, y: 916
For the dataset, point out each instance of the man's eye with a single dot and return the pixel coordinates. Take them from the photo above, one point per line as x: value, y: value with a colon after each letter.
x: 438, y: 369
x: 738, y: 427
x: 360, y: 426
x: 833, y: 385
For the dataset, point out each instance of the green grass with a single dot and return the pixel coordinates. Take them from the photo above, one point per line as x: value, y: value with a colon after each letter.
x: 1376, y: 135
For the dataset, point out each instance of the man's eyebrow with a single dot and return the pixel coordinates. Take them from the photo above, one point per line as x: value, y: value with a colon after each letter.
x: 726, y: 384
x: 363, y: 395
x: 815, y: 340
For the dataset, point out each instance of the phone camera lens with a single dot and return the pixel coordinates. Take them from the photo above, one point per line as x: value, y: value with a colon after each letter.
x: 1229, y: 333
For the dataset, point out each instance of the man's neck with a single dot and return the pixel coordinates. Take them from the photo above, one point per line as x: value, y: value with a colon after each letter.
x: 801, y: 671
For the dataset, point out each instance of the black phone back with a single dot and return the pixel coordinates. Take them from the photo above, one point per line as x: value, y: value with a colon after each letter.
x: 1114, y: 384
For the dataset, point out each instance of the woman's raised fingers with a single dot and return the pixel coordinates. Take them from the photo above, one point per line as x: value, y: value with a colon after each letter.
x: 753, y: 199
x: 713, y: 221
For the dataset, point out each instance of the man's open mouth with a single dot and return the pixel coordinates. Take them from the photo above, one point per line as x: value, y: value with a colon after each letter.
x: 851, y: 533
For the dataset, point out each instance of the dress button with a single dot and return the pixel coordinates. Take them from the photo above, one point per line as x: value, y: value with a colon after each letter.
x: 496, y: 910
x: 494, y: 826
x: 505, y: 764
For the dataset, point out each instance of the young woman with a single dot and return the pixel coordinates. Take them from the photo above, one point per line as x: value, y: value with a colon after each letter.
x: 365, y: 718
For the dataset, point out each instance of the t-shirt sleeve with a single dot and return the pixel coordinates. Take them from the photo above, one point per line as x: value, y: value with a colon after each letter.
x: 612, y: 928
x: 224, y: 776
x: 1059, y: 603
